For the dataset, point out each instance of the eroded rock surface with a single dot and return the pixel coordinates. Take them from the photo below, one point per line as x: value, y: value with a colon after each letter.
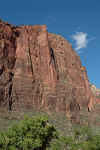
x: 96, y: 92
x: 41, y: 70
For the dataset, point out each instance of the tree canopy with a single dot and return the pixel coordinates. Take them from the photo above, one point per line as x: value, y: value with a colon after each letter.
x: 30, y: 134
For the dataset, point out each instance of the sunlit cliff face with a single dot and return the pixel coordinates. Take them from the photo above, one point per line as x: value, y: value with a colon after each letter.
x: 40, y: 69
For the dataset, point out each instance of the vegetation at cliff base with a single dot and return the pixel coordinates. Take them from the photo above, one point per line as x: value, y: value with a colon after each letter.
x: 29, y: 134
x: 37, y: 134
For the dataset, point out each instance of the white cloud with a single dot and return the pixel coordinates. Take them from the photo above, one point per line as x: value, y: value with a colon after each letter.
x: 91, y: 39
x: 79, y: 52
x: 79, y: 26
x: 51, y: 20
x: 81, y: 40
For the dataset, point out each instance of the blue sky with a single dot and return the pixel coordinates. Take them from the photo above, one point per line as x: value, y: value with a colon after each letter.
x: 78, y: 21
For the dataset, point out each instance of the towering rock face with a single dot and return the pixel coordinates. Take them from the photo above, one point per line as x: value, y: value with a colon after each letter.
x: 40, y: 69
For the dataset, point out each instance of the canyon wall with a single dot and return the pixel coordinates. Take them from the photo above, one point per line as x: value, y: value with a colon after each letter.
x: 41, y: 70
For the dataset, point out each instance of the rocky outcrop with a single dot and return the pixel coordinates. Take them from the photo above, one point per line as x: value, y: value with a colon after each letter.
x: 94, y: 89
x: 40, y: 69
x: 96, y: 92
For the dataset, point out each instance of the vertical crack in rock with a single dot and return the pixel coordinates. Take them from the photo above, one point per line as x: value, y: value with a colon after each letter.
x: 31, y: 64
x: 1, y: 70
x: 53, y: 57
x: 10, y: 89
x: 10, y: 97
x: 2, y: 93
x: 54, y: 61
x: 78, y: 106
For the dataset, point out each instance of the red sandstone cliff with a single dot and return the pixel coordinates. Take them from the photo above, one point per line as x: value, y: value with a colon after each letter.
x: 40, y: 69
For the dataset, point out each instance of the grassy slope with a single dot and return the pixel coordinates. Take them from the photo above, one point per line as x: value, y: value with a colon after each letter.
x: 63, y: 125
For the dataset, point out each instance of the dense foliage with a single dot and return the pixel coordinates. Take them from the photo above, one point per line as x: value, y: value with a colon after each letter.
x: 30, y: 134
x: 38, y: 134
x: 82, y: 139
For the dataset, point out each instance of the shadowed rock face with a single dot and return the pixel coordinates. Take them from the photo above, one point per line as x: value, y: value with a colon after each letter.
x: 40, y: 69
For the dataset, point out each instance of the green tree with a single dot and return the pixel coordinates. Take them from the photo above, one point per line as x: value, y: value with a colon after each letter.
x: 30, y: 134
x: 85, y: 139
x: 63, y: 143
